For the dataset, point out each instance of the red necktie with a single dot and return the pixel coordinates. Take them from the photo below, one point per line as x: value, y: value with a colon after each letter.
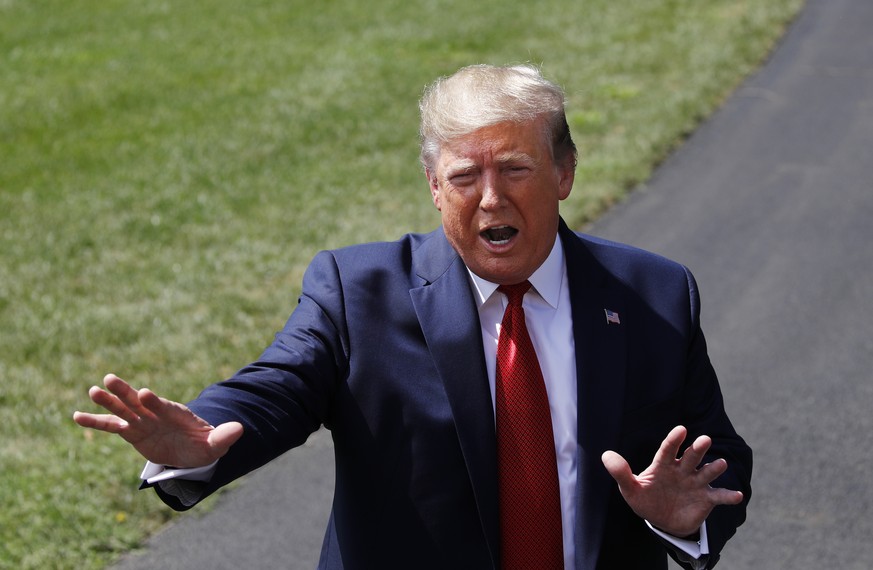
x: 530, y: 503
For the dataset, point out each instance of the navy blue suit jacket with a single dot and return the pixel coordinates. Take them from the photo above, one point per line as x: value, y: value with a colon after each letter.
x: 385, y: 350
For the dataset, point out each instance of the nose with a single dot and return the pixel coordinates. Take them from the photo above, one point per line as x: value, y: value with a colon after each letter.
x: 492, y: 194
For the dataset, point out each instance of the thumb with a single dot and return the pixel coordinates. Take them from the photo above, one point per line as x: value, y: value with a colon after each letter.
x: 222, y: 437
x: 618, y: 467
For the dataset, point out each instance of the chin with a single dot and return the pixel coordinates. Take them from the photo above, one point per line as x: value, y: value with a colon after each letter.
x: 506, y: 277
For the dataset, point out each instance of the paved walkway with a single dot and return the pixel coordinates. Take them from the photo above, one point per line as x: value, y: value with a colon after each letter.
x: 770, y: 204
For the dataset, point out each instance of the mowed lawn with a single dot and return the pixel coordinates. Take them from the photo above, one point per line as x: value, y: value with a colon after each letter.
x: 168, y: 169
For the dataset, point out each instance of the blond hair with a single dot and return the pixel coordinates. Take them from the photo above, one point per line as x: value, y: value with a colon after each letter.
x: 483, y: 95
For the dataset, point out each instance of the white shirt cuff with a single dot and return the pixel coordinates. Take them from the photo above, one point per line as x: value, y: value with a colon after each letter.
x: 693, y: 548
x: 153, y: 473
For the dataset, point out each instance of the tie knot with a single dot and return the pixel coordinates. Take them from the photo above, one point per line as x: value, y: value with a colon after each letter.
x: 515, y: 293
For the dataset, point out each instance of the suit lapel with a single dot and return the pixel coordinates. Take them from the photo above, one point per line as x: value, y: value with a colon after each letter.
x: 449, y: 320
x: 601, y: 354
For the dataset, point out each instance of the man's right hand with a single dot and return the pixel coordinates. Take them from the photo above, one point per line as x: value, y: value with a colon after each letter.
x: 163, y: 431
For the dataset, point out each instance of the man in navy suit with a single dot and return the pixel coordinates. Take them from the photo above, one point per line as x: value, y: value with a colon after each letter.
x: 393, y: 346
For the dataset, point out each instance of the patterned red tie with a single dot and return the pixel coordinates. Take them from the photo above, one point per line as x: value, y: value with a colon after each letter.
x: 530, y: 503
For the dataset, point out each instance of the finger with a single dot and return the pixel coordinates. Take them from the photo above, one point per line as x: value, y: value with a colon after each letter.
x: 113, y: 383
x: 693, y: 455
x: 666, y: 454
x: 124, y: 392
x: 162, y: 409
x: 112, y: 404
x: 726, y: 497
x: 152, y: 402
x: 225, y: 435
x: 618, y: 468
x: 102, y: 422
x: 711, y: 471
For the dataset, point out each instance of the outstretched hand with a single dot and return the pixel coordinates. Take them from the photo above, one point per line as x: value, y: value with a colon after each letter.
x: 673, y: 494
x: 163, y: 431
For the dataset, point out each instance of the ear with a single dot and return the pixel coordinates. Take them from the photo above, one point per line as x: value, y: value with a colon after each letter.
x: 434, y: 187
x: 566, y: 176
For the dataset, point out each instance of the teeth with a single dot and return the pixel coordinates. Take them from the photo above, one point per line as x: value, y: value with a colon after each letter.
x: 499, y: 235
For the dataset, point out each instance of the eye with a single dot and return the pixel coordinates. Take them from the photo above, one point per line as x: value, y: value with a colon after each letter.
x: 516, y: 170
x: 462, y: 179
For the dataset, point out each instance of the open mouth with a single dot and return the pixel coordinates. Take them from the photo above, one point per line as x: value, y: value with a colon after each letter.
x: 499, y: 235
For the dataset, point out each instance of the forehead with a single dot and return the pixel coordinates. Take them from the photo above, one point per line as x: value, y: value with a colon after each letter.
x: 501, y: 141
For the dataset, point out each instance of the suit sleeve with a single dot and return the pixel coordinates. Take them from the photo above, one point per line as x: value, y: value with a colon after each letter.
x: 704, y: 414
x: 286, y: 394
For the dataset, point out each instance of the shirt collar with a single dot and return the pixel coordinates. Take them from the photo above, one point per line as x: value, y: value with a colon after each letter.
x: 546, y: 280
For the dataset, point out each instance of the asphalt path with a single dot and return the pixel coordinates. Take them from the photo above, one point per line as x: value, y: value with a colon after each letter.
x: 770, y: 203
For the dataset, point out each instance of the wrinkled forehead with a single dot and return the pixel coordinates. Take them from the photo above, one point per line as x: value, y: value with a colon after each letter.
x: 506, y: 141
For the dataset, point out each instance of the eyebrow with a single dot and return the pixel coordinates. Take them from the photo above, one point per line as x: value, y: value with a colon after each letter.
x: 514, y: 156
x: 466, y: 165
x: 463, y: 166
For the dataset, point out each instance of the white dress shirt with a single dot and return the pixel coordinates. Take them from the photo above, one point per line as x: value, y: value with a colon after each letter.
x: 550, y: 324
x: 547, y: 314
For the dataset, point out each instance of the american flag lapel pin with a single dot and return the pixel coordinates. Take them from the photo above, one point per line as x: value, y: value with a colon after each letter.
x: 612, y: 317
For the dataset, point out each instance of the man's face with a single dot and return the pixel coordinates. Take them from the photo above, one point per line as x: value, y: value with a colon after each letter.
x: 498, y: 190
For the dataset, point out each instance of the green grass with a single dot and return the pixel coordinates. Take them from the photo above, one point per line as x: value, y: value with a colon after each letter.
x: 168, y: 169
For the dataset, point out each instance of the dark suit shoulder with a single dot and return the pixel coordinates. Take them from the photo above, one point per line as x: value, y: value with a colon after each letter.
x: 641, y: 278
x: 632, y: 266
x: 378, y: 253
x: 621, y: 255
x: 421, y: 257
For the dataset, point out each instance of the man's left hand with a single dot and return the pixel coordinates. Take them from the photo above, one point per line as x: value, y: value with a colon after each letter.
x: 673, y: 493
